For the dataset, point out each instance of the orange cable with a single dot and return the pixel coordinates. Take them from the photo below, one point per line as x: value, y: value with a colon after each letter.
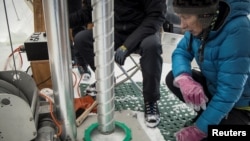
x: 52, y: 115
x: 75, y: 78
x: 18, y: 50
x: 78, y: 86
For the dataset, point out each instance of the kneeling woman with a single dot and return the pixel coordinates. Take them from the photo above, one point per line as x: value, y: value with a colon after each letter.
x: 217, y: 37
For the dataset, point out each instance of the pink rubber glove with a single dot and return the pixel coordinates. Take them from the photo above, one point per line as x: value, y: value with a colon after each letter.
x: 191, y: 133
x: 192, y: 91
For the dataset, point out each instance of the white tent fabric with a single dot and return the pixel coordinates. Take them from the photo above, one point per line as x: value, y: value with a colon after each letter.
x: 21, y: 25
x: 20, y: 20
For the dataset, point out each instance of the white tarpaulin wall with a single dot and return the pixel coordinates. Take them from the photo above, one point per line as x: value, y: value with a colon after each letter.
x: 20, y: 18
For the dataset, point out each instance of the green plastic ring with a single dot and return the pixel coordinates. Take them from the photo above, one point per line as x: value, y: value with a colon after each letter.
x: 89, y: 130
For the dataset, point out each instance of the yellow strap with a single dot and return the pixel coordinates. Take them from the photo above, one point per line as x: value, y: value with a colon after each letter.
x: 123, y: 48
x: 247, y: 108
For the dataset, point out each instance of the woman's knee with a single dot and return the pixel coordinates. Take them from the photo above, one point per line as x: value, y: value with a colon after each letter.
x: 169, y: 79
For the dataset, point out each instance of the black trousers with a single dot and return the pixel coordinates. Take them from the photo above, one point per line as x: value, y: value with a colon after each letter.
x: 150, y: 50
x: 74, y: 6
x: 234, y: 117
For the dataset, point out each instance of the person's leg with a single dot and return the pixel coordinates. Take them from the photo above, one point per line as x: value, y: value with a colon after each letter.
x: 79, y: 59
x: 169, y: 82
x: 74, y: 51
x: 83, y: 43
x: 151, y: 68
x: 237, y: 117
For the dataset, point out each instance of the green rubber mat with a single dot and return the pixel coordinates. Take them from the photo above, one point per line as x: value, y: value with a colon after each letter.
x: 174, y: 113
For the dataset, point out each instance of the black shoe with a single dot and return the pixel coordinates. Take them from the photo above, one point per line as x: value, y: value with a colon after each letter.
x: 85, y: 73
x: 152, y: 115
x: 91, y: 90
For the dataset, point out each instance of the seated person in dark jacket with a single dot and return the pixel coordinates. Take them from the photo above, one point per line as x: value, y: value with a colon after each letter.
x: 137, y: 27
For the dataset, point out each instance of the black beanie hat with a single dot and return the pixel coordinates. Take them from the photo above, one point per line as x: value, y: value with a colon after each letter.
x: 197, y: 7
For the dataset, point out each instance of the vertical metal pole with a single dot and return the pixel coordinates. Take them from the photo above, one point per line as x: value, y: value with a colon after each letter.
x: 103, y: 33
x: 56, y: 23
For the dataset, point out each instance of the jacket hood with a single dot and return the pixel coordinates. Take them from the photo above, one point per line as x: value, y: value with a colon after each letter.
x: 237, y: 8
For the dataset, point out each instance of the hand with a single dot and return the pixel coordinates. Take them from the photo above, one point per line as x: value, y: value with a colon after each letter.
x: 192, y: 91
x: 191, y: 133
x: 121, y: 54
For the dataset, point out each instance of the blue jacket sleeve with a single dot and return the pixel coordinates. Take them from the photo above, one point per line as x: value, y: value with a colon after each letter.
x: 181, y: 57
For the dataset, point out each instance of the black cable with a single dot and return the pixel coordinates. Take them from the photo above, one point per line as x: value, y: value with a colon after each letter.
x: 43, y: 81
x: 27, y: 69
